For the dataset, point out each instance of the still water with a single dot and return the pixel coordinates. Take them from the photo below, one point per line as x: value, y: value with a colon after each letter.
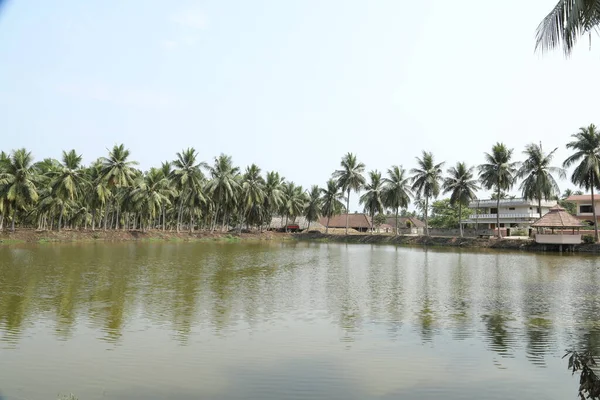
x: 291, y: 321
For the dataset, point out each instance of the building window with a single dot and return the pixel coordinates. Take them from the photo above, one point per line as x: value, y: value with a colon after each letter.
x: 493, y: 211
x: 585, y: 209
x: 511, y: 208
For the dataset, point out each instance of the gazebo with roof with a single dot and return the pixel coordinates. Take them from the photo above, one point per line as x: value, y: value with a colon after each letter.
x: 558, y: 227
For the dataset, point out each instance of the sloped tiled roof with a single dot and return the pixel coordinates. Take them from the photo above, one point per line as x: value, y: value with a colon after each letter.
x: 354, y: 221
x: 581, y: 197
x: 557, y: 217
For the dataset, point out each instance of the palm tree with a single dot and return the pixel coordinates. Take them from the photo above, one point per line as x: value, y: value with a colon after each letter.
x: 273, y: 196
x: 18, y: 182
x: 397, y: 191
x: 426, y: 181
x: 586, y: 147
x: 373, y: 196
x: 223, y: 186
x: 118, y: 172
x: 166, y: 171
x: 313, y: 206
x: 350, y: 178
x: 253, y: 193
x: 462, y: 186
x: 294, y: 201
x: 149, y: 196
x: 536, y: 172
x: 99, y: 195
x: 67, y: 183
x: 331, y: 199
x: 568, y: 20
x: 188, y: 178
x: 498, y: 173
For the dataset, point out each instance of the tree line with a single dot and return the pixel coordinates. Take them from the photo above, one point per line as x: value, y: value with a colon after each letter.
x: 188, y: 194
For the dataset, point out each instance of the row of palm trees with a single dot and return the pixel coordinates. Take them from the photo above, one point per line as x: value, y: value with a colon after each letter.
x: 499, y: 173
x: 186, y: 193
x: 112, y: 194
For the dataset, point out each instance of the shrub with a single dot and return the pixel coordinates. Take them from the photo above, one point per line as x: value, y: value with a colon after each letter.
x: 587, y: 239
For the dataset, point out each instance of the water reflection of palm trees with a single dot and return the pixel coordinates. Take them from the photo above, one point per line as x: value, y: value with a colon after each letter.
x: 426, y: 315
x: 460, y: 300
x: 183, y: 286
x: 498, y: 314
x: 536, y: 311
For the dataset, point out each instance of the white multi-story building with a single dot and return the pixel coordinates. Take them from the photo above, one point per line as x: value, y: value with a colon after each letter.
x: 513, y: 212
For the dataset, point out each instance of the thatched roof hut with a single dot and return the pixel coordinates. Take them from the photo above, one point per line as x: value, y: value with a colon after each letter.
x: 557, y: 218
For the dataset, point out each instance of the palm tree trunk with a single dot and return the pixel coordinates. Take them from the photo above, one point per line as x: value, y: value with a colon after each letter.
x: 425, y: 214
x: 498, y: 213
x: 191, y: 222
x: 372, y: 222
x: 164, y: 213
x: 93, y: 219
x: 60, y: 216
x: 327, y: 227
x: 308, y: 226
x: 460, y: 227
x: 540, y: 206
x: 214, y: 223
x: 117, y: 217
x: 594, y: 211
x: 225, y: 218
x: 1, y: 221
x: 347, y: 210
x: 179, y: 210
x: 397, y: 233
x: 286, y: 223
x: 12, y: 223
x: 106, y: 216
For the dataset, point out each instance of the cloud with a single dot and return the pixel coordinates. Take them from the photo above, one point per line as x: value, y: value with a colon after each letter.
x: 126, y: 97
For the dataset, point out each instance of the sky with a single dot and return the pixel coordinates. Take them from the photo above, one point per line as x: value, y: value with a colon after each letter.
x: 289, y: 85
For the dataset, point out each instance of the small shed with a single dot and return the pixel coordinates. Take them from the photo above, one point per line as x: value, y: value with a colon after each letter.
x: 558, y: 227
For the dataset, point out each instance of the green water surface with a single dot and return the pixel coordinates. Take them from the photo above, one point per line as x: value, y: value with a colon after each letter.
x: 291, y: 321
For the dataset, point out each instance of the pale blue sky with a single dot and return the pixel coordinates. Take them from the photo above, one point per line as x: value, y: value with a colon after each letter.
x: 289, y: 85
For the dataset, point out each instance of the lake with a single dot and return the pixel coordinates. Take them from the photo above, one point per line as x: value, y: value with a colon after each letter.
x: 268, y: 321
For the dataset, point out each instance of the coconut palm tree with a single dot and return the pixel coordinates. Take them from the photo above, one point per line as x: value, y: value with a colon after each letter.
x: 536, y: 172
x: 462, y: 187
x: 498, y: 173
x: 168, y: 188
x: 426, y: 181
x: 397, y: 190
x: 223, y: 185
x: 252, y: 194
x: 566, y: 23
x: 117, y: 170
x: 18, y: 182
x: 372, y: 199
x: 350, y: 178
x: 67, y: 183
x: 98, y: 197
x: 187, y: 177
x: 331, y: 201
x: 149, y: 195
x: 294, y: 201
x: 313, y: 206
x: 586, y: 152
x: 273, y: 196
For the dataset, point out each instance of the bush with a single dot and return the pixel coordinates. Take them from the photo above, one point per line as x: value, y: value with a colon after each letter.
x: 519, y: 232
x: 587, y: 239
